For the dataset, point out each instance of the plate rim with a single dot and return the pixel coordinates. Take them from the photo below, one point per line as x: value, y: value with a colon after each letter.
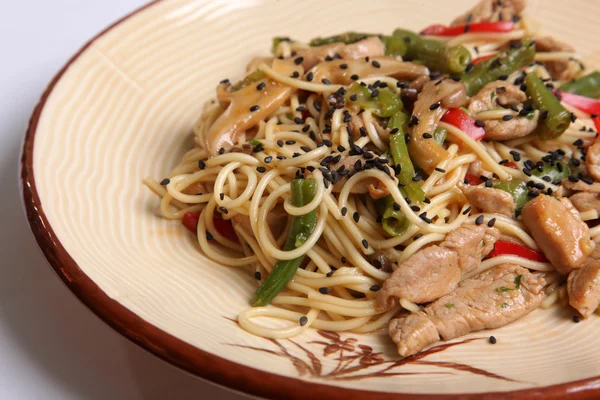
x: 198, y: 362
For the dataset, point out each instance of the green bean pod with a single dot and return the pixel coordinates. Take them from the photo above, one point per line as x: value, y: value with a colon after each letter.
x: 588, y: 85
x: 554, y: 118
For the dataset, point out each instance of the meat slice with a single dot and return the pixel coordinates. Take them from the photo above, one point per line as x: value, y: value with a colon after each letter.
x: 557, y: 229
x: 583, y: 287
x: 489, y: 199
x: 492, y: 299
x: 491, y: 10
x: 563, y: 69
x: 423, y: 277
x: 592, y: 160
x: 471, y: 243
x: 506, y: 94
x: 581, y: 186
x: 585, y: 201
x: 369, y: 47
x: 436, y: 270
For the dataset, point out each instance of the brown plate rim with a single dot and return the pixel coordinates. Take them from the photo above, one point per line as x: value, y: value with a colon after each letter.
x: 183, y: 355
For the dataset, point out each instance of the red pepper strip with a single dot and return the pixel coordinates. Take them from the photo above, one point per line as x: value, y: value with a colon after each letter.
x: 514, y: 249
x: 585, y: 104
x: 473, y: 180
x: 480, y: 27
x: 464, y: 122
x: 511, y: 164
x: 224, y: 227
x: 190, y: 221
x: 483, y: 58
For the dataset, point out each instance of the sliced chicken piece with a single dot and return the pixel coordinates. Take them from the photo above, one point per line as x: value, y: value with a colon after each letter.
x: 592, y: 160
x: 585, y: 201
x: 471, y: 243
x: 583, y: 288
x: 490, y: 300
x: 502, y: 93
x: 373, y: 186
x: 369, y: 47
x: 563, y: 69
x: 341, y: 71
x: 237, y: 118
x: 491, y: 10
x: 426, y: 153
x: 580, y: 186
x: 489, y: 199
x: 436, y: 270
x: 423, y: 277
x: 559, y: 231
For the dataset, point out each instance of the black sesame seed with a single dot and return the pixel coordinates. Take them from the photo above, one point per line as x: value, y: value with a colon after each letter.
x: 576, y: 319
x: 257, y: 275
x: 165, y: 182
x: 516, y: 155
x: 298, y: 120
x: 261, y: 169
x: 415, y: 208
x: 223, y: 210
x: 290, y: 142
x: 310, y: 76
x: 305, y: 148
x: 507, y: 117
x: 488, y: 183
x: 375, y: 93
x: 356, y: 216
x: 423, y: 216
x: 222, y: 196
x: 324, y: 290
x: 329, y: 273
x: 260, y: 86
x: 396, y: 206
x: 255, y: 108
x: 492, y: 222
x: 363, y: 131
x: 479, y: 220
x: 201, y: 164
x: 440, y: 170
x: 365, y: 243
x: 573, y: 179
x: 587, y: 180
x: 303, y: 321
x: 221, y: 150
x: 467, y: 210
x: 298, y: 60
x: 493, y: 340
x: 479, y: 123
x: 343, y: 260
x: 354, y: 77
x: 578, y: 142
x: 209, y: 236
x: 418, y: 236
x: 427, y: 135
x: 326, y: 81
x: 268, y: 159
x: 375, y: 288
x: 344, y: 210
x: 376, y: 64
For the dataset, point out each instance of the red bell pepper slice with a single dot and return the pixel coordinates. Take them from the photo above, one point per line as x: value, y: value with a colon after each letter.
x: 224, y: 227
x: 585, y: 104
x: 483, y: 58
x: 473, y: 180
x: 515, y: 249
x: 464, y: 122
x: 479, y: 27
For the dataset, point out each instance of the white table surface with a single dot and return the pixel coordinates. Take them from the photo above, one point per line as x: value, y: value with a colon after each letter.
x: 51, y: 346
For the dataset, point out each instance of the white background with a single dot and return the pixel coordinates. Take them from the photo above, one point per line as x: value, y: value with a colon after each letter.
x: 51, y: 346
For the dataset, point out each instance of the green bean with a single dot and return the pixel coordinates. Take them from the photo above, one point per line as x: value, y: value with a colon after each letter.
x: 400, y: 156
x: 392, y: 219
x: 433, y: 53
x: 588, y: 85
x: 554, y: 118
x: 503, y: 64
x: 303, y: 192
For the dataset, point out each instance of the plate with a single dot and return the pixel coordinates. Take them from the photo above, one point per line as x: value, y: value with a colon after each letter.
x: 122, y: 109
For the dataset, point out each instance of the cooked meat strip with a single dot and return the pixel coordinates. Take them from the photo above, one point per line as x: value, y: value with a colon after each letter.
x: 563, y: 69
x: 505, y: 94
x: 559, y: 231
x: 492, y: 299
x: 491, y: 10
x: 388, y: 66
x: 471, y: 243
x: 436, y: 270
x: 580, y: 186
x: 425, y: 152
x: 592, y: 160
x: 585, y: 201
x: 489, y: 199
x: 425, y: 276
x: 583, y: 288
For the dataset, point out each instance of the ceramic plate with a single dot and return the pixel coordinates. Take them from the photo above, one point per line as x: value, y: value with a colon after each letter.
x: 122, y: 109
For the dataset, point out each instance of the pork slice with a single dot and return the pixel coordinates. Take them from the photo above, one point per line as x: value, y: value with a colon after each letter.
x: 492, y: 299
x: 585, y: 201
x: 471, y: 243
x: 583, y: 288
x: 423, y: 277
x: 592, y: 160
x: 491, y: 10
x: 580, y: 186
x: 489, y: 199
x: 558, y: 230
